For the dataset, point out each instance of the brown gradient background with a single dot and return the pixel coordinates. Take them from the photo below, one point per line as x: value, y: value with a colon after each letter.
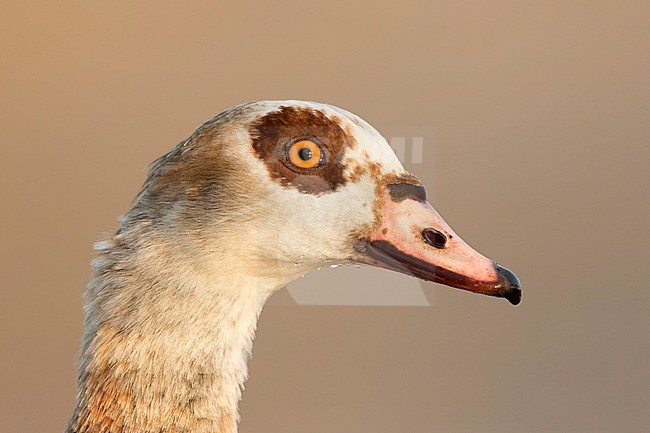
x: 539, y: 158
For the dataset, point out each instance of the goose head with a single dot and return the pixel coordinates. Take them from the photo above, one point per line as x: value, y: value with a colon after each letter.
x: 254, y: 198
x: 271, y: 190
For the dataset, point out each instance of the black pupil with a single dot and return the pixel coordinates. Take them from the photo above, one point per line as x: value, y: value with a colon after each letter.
x: 305, y: 154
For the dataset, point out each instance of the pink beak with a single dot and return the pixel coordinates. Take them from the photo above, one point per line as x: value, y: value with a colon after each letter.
x: 413, y: 239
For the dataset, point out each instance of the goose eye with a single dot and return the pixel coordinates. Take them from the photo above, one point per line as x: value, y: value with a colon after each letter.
x: 305, y: 154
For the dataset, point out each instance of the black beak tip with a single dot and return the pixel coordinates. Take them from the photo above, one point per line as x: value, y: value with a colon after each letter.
x: 511, y: 285
x: 514, y: 296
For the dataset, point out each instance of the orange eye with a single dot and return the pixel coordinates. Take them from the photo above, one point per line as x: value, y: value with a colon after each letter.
x: 305, y: 154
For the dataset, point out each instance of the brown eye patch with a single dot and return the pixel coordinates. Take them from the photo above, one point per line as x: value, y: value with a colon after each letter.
x: 274, y: 133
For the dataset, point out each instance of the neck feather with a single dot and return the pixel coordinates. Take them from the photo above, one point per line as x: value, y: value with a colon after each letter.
x: 165, y: 350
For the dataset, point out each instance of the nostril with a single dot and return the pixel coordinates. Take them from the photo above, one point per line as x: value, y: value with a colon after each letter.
x: 434, y: 238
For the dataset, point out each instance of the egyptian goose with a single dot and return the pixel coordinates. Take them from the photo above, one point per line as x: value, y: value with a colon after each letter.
x: 259, y: 195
